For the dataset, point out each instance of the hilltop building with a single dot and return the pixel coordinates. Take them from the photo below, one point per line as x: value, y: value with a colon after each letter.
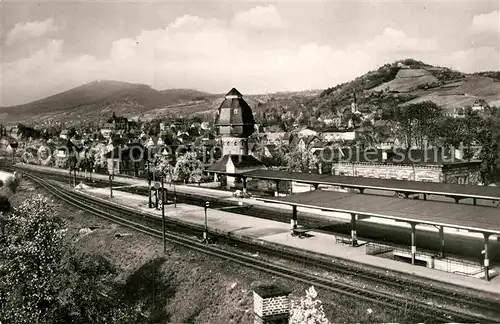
x: 235, y: 123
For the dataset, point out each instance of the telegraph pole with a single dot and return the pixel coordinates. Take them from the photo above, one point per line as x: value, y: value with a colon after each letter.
x: 163, y: 213
x: 149, y: 185
x: 111, y: 176
x: 175, y: 196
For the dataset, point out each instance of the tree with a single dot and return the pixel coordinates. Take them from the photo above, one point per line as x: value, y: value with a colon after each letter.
x: 188, y: 168
x: 165, y: 169
x: 309, y: 310
x: 300, y: 160
x: 43, y: 279
x: 97, y: 154
x: 30, y: 255
x: 488, y: 139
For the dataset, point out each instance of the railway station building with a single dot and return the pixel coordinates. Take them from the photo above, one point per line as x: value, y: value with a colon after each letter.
x: 235, y: 123
x: 431, y: 165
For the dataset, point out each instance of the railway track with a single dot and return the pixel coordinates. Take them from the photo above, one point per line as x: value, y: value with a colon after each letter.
x: 427, y: 289
x: 150, y: 225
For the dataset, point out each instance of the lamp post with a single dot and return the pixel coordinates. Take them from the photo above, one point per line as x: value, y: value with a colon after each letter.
x: 13, y: 146
x: 157, y: 187
x: 149, y: 185
x: 205, y: 233
x: 111, y: 185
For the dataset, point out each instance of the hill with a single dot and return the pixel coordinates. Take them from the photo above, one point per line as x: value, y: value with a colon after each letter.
x: 394, y: 84
x: 464, y: 93
x: 94, y: 99
x: 407, y: 80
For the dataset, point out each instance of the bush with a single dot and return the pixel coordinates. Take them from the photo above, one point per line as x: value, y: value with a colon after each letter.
x: 4, y: 204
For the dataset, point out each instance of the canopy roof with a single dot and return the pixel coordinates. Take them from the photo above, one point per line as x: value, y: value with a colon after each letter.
x: 445, y: 189
x: 472, y: 218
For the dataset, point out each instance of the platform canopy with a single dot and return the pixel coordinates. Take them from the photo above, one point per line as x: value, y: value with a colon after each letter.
x: 468, y: 217
x: 403, y: 186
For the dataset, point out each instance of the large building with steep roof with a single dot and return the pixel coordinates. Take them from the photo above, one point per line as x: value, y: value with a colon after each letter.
x: 235, y: 123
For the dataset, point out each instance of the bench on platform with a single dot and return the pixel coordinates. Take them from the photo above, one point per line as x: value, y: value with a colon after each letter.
x: 300, y: 232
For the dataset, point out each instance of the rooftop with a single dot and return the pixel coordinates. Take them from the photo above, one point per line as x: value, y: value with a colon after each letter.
x: 445, y: 189
x: 234, y: 92
x: 473, y: 218
x: 271, y: 290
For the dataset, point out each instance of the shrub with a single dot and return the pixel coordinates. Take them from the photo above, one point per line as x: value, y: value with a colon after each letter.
x: 308, y: 310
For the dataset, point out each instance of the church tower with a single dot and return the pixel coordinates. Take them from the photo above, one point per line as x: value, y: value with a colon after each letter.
x: 235, y: 123
x: 353, y: 104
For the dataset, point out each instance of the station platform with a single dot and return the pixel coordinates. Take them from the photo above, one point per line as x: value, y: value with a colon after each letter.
x: 272, y: 233
x: 458, y: 243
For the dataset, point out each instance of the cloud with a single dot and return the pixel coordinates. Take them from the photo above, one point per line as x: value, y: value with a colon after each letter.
x: 395, y: 41
x: 35, y: 29
x: 489, y: 22
x: 258, y: 18
x: 476, y: 59
x: 214, y: 55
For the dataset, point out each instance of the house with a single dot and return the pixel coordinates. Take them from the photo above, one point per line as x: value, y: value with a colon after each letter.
x: 234, y: 164
x: 164, y: 127
x: 208, y: 139
x: 334, y: 121
x: 307, y: 132
x: 455, y: 112
x: 129, y: 160
x: 480, y: 105
x: 276, y: 138
x: 113, y: 159
x: 303, y: 143
x: 184, y: 137
x: 152, y: 141
x: 14, y: 132
x: 261, y: 151
x: 118, y: 123
x: 336, y: 134
x: 432, y: 165
x: 107, y: 131
x: 64, y: 153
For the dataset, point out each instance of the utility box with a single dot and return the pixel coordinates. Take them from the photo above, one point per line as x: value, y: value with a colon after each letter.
x: 271, y: 304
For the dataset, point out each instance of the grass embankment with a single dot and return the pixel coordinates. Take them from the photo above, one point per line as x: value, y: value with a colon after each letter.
x: 187, y: 286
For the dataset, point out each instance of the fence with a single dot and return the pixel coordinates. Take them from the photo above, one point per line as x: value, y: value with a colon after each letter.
x: 428, y: 259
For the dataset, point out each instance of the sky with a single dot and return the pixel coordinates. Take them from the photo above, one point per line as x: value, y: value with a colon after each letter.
x: 257, y: 47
